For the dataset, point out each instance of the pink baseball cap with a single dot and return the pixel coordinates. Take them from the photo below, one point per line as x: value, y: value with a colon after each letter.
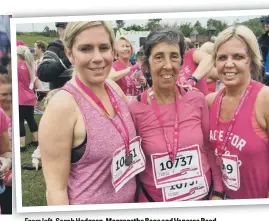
x: 20, y: 42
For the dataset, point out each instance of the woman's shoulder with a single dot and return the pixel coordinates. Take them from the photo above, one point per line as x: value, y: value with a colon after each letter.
x: 262, y: 99
x: 210, y: 98
x: 62, y: 101
x: 194, y: 96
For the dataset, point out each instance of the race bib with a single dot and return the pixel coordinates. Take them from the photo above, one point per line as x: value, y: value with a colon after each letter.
x: 121, y: 173
x: 186, y: 190
x: 230, y: 171
x: 131, y: 97
x: 187, y: 165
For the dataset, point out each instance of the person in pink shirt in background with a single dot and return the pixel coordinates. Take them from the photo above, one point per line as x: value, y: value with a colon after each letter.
x: 239, y: 115
x: 5, y: 165
x: 174, y: 127
x: 197, y: 64
x: 122, y: 71
x: 27, y: 97
x: 6, y: 122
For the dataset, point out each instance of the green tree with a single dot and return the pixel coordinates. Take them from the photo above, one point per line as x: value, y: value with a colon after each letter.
x: 218, y: 24
x: 46, y: 31
x: 186, y: 29
x: 255, y: 25
x: 120, y: 24
x: 153, y: 23
x: 135, y: 28
x: 201, y: 30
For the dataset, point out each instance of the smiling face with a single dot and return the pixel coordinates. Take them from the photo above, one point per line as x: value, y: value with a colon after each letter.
x: 124, y: 49
x: 92, y: 54
x: 164, y: 64
x: 233, y: 62
x: 5, y: 96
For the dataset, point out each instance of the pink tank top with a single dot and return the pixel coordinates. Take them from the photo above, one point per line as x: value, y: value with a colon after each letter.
x: 126, y: 83
x: 26, y: 96
x: 245, y: 143
x: 188, y: 68
x: 90, y: 180
x: 193, y: 129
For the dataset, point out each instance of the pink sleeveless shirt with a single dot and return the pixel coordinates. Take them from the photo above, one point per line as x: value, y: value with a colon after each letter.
x: 193, y: 129
x: 245, y: 143
x: 90, y: 180
x: 26, y: 96
x: 126, y: 83
x: 188, y: 68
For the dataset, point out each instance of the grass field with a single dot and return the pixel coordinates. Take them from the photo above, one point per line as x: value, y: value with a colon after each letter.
x: 33, y: 184
x: 31, y: 39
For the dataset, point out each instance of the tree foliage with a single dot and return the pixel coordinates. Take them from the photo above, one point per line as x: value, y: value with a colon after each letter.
x: 49, y: 33
x: 255, y: 25
x: 152, y: 23
x: 120, y: 24
x: 217, y: 24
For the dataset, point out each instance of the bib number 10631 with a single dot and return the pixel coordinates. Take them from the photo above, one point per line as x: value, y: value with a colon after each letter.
x: 122, y: 172
x: 121, y: 162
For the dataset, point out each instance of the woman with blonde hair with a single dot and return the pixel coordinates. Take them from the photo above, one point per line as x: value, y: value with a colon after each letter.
x: 27, y: 98
x: 239, y: 115
x: 129, y: 77
x: 89, y: 149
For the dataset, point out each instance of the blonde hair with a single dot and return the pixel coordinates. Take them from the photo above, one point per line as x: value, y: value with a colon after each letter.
x: 117, y: 45
x: 25, y: 54
x: 46, y: 100
x: 75, y: 28
x: 247, y: 36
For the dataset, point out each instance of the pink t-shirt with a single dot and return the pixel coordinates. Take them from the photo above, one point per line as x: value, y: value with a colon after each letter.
x: 126, y: 83
x: 252, y: 151
x: 188, y: 68
x: 193, y: 129
x: 90, y: 179
x: 26, y: 96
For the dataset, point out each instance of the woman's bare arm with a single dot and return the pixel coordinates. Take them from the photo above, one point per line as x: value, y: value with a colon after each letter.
x: 117, y: 75
x: 55, y: 140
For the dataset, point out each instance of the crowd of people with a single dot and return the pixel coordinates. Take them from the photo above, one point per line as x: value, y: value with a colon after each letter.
x: 5, y: 119
x: 180, y: 124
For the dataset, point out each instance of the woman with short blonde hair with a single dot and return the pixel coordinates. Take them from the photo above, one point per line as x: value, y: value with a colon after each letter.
x: 239, y: 116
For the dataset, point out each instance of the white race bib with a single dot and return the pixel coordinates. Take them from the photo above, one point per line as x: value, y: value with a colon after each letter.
x: 187, y: 166
x: 194, y: 189
x: 121, y: 173
x: 130, y: 98
x: 230, y: 171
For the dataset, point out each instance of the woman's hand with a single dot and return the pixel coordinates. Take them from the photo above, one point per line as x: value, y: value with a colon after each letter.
x: 6, y: 164
x: 135, y: 67
x: 216, y: 198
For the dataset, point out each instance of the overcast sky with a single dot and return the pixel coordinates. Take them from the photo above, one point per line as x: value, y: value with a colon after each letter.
x: 39, y: 27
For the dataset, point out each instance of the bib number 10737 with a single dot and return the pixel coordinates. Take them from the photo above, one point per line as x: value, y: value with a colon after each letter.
x: 187, y: 165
